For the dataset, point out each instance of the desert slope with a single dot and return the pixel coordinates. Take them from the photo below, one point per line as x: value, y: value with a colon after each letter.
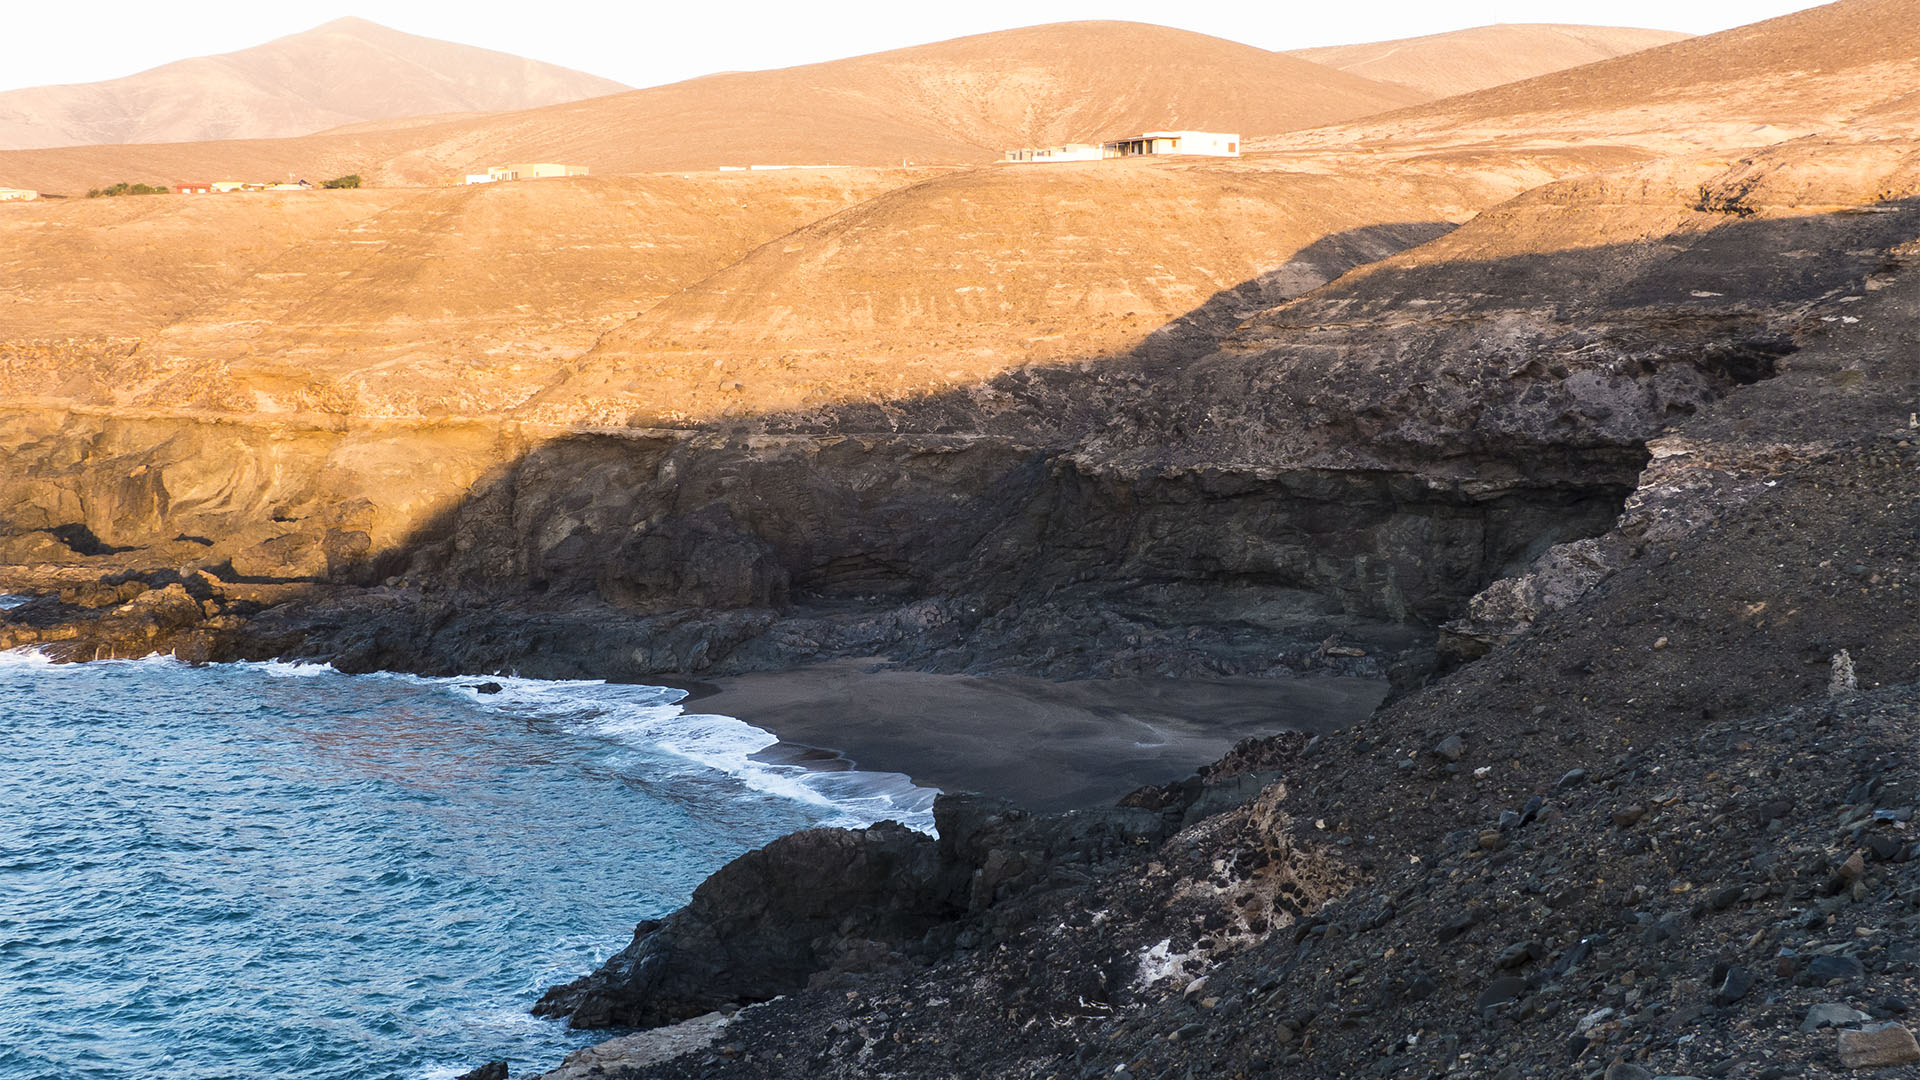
x: 1462, y: 61
x: 1818, y: 70
x: 959, y: 101
x: 946, y: 284
x: 345, y: 72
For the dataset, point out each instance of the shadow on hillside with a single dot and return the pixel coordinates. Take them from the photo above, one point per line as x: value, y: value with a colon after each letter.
x: 1313, y: 266
x: 1470, y: 414
x: 1530, y: 439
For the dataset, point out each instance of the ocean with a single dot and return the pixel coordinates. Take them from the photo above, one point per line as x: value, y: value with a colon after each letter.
x: 264, y: 870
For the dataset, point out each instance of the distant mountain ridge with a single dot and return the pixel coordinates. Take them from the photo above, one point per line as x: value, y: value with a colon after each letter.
x: 348, y: 71
x: 1462, y: 61
x: 1847, y: 65
x: 961, y: 101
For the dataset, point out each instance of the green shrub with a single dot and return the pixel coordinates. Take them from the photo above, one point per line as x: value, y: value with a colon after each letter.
x: 124, y: 188
x: 351, y: 180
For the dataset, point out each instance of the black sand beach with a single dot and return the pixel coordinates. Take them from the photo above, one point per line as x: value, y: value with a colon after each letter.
x: 1046, y: 746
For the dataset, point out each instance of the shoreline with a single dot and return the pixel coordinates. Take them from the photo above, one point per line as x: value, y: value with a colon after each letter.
x: 1045, y: 746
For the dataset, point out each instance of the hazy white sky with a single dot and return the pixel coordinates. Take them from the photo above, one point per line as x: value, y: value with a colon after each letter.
x: 645, y: 44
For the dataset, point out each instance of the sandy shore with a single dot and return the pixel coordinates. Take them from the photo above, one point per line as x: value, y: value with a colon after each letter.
x: 1045, y: 745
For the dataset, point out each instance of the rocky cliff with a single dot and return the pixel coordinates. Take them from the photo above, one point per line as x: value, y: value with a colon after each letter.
x: 1661, y: 827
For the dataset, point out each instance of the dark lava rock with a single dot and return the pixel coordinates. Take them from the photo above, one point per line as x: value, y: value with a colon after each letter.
x: 488, y: 688
x: 492, y: 1070
x: 840, y: 900
x: 1827, y: 968
x: 1500, y: 991
x: 1831, y: 1014
x: 767, y: 921
x: 1737, y: 984
x: 1520, y: 954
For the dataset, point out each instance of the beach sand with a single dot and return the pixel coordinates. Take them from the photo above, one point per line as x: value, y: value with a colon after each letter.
x: 1044, y: 745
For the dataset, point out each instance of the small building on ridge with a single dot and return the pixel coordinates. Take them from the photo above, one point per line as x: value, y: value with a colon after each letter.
x: 1160, y: 143
x: 526, y: 171
x: 1187, y: 143
x: 1064, y: 152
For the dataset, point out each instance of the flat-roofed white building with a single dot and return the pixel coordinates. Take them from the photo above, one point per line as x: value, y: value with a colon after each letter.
x: 537, y: 170
x: 17, y: 194
x: 1188, y: 143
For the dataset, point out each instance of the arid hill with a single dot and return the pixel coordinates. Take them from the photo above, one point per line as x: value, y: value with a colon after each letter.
x: 1463, y: 61
x: 1855, y: 62
x: 371, y: 302
x: 345, y: 72
x: 946, y: 284
x: 960, y: 101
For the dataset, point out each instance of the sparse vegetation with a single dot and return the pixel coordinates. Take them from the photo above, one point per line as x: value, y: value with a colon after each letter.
x: 1730, y: 200
x: 351, y: 180
x: 124, y: 188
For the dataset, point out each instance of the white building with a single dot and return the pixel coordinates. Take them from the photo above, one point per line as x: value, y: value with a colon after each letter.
x: 526, y: 171
x: 1066, y: 152
x: 17, y: 194
x: 1187, y: 143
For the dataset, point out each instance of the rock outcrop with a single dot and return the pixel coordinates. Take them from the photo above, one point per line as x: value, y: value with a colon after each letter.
x: 825, y: 902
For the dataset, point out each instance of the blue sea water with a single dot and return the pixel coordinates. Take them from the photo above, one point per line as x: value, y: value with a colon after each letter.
x: 272, y: 871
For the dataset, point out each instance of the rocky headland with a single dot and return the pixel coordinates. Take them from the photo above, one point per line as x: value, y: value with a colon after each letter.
x: 1597, y: 443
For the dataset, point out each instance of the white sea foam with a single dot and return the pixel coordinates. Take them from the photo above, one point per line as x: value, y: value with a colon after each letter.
x: 9, y: 601
x: 35, y: 656
x: 27, y: 657
x: 651, y: 718
x: 284, y: 669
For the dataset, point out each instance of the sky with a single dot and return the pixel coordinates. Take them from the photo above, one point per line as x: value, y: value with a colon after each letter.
x: 652, y: 42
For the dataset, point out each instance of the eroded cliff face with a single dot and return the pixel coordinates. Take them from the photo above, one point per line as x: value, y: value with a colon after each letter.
x: 1221, y: 496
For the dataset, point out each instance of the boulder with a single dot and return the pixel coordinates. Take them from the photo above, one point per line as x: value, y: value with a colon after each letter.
x: 1891, y: 1044
x: 766, y: 922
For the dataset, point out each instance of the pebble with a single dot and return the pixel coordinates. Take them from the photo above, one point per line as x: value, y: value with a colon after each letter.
x: 1734, y: 987
x: 1831, y: 1014
x: 1452, y: 748
x: 1519, y: 953
x: 1853, y: 868
x: 1500, y: 991
x: 1626, y: 1070
x: 1626, y: 817
x: 1573, y: 779
x: 1889, y: 1045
